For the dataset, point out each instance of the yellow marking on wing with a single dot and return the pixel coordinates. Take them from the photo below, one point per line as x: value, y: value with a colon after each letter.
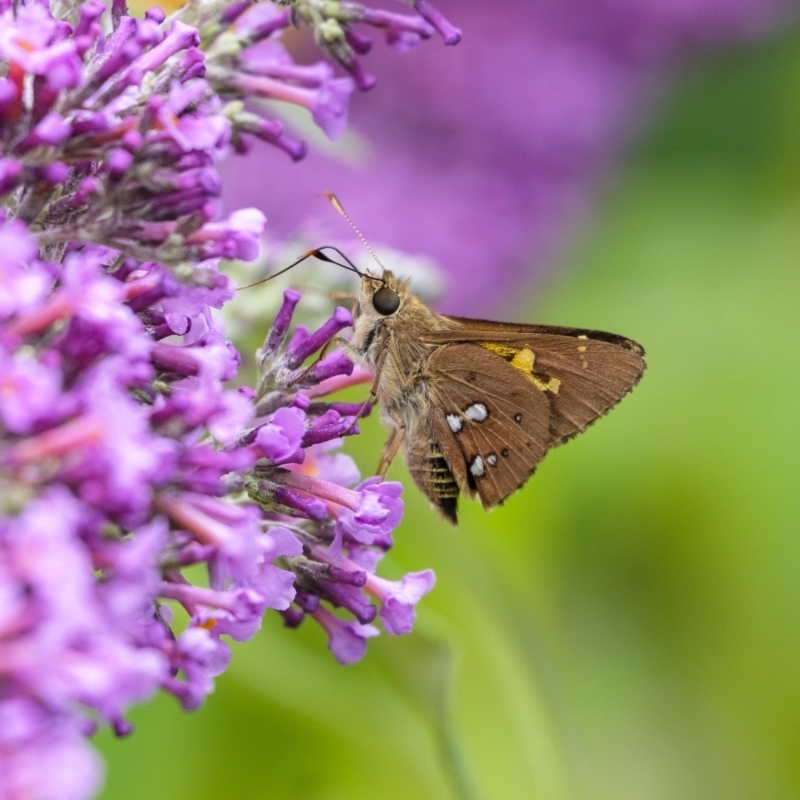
x: 582, y: 348
x: 502, y: 350
x: 552, y: 385
x: 524, y: 360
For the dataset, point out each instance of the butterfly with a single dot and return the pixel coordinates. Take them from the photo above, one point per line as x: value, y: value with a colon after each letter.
x: 475, y: 405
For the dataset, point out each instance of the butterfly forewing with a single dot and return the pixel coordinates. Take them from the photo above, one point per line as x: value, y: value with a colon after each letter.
x: 491, y: 428
x: 583, y: 373
x: 593, y: 375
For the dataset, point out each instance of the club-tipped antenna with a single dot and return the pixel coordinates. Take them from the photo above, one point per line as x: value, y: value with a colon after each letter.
x: 340, y: 208
x: 317, y: 253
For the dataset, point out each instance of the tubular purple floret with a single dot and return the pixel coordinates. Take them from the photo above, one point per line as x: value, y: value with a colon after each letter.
x: 360, y: 44
x: 233, y: 11
x: 397, y: 22
x: 308, y: 75
x: 329, y: 431
x: 329, y: 367
x: 363, y: 79
x: 166, y: 287
x: 149, y: 33
x: 310, y: 507
x: 51, y: 131
x: 155, y: 14
x: 352, y: 577
x: 309, y: 603
x: 121, y: 727
x: 179, y: 37
x: 327, y: 103
x: 261, y: 21
x: 89, y: 14
x: 109, y: 59
x: 266, y: 131
x: 298, y: 352
x: 341, y: 595
x: 346, y: 640
x: 329, y: 492
x: 119, y: 161
x: 54, y: 173
x: 280, y: 326
x: 240, y: 603
x: 447, y: 31
x: 191, y: 553
x: 174, y: 359
x: 292, y: 617
x: 192, y: 65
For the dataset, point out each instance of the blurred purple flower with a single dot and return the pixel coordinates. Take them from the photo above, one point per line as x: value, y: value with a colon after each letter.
x: 347, y: 640
x: 279, y: 440
x: 37, y: 746
x: 485, y: 156
x: 399, y: 598
x: 28, y: 391
x: 375, y: 509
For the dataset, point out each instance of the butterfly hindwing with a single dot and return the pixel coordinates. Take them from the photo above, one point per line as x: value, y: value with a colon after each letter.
x: 490, y: 422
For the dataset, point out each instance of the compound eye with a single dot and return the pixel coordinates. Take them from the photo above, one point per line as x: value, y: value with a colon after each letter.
x: 386, y: 301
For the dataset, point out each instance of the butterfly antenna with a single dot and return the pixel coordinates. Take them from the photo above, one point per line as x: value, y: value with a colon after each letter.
x: 340, y: 208
x: 317, y: 252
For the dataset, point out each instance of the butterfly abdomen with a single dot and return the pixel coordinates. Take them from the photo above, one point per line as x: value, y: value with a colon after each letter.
x: 433, y: 475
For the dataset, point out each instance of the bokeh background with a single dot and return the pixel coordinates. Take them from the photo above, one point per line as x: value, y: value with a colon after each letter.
x: 628, y: 625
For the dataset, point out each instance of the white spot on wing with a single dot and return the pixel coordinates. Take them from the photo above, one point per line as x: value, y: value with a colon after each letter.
x: 476, y: 467
x: 455, y: 422
x: 477, y: 412
x: 491, y: 459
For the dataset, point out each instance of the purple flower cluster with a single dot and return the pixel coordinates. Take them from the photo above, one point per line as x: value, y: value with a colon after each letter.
x: 117, y: 143
x: 125, y: 456
x: 245, y: 59
x: 111, y: 486
x: 112, y: 139
x: 344, y: 532
x: 333, y: 29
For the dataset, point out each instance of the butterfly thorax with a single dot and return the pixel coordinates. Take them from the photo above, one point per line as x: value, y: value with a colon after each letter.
x: 393, y: 346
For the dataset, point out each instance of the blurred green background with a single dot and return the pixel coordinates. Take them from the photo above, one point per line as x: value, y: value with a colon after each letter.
x: 628, y: 625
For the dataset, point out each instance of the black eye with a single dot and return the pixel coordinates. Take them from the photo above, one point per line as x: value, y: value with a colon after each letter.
x: 386, y: 301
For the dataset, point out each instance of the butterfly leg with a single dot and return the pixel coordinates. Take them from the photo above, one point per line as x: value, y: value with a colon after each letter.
x: 343, y: 297
x: 390, y: 449
x: 322, y: 353
x: 334, y: 297
x: 373, y: 392
x: 337, y: 340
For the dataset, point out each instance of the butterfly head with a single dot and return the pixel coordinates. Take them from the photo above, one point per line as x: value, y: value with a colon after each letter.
x: 383, y: 296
